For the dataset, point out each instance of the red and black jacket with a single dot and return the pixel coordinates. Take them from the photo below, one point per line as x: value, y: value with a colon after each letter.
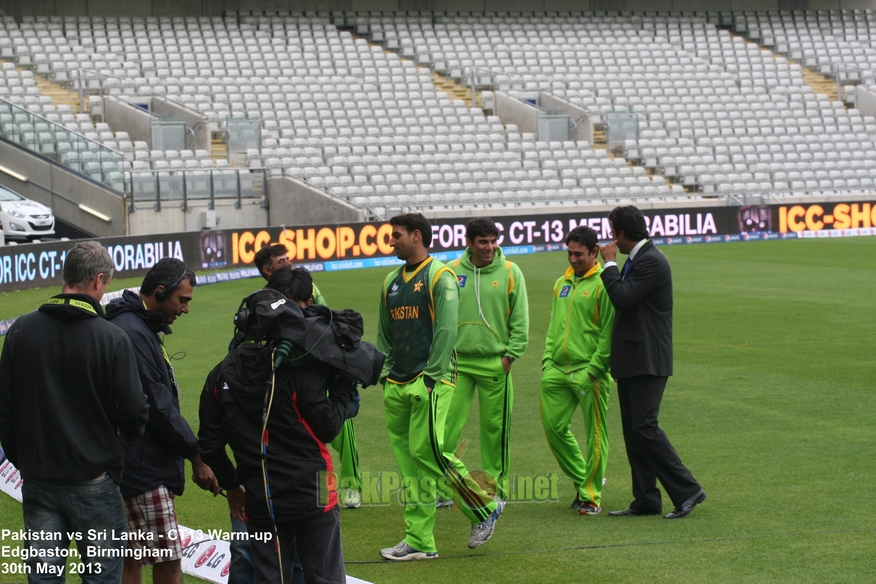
x: 308, y: 411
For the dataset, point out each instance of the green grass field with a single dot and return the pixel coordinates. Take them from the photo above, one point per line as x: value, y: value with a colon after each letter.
x: 771, y: 407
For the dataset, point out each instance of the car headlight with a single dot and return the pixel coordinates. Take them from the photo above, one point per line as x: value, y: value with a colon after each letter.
x: 17, y: 214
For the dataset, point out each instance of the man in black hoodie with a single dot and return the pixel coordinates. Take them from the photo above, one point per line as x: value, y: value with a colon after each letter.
x: 154, y: 465
x: 69, y: 389
x: 278, y: 427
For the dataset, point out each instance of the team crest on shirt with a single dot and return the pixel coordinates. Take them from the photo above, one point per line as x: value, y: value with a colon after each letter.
x: 461, y: 280
x: 565, y: 291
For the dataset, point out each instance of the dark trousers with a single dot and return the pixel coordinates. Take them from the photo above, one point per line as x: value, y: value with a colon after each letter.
x: 649, y: 451
x: 242, y: 570
x: 317, y: 540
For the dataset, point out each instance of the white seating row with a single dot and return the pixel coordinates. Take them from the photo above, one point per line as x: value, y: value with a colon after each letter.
x: 314, y: 86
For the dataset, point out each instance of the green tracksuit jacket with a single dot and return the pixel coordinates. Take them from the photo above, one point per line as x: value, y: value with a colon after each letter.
x: 491, y: 324
x: 317, y: 297
x: 579, y: 334
x: 577, y: 347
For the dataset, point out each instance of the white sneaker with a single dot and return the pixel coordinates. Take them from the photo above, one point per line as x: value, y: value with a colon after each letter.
x: 482, y: 532
x: 403, y: 553
x: 442, y: 502
x: 350, y: 498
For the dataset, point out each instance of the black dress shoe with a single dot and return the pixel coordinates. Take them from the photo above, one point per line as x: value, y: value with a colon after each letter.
x: 631, y: 513
x: 687, y: 506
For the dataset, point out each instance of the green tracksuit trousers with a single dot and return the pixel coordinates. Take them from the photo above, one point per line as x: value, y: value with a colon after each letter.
x: 345, y: 446
x: 495, y: 398
x: 561, y: 393
x: 415, y: 421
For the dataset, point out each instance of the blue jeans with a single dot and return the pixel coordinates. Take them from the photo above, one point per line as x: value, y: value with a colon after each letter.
x: 241, y: 571
x: 88, y: 513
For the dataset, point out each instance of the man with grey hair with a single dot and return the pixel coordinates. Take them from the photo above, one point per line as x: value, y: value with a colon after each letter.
x: 69, y: 388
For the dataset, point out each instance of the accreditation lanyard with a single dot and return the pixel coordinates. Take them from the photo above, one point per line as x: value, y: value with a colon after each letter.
x: 169, y: 364
x: 161, y: 336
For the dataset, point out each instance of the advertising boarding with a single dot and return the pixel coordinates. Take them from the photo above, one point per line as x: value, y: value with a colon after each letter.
x: 363, y: 245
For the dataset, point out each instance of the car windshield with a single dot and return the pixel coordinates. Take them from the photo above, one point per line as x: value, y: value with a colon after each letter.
x: 6, y: 195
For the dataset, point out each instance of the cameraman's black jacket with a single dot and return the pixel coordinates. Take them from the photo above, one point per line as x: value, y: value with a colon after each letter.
x: 302, y: 420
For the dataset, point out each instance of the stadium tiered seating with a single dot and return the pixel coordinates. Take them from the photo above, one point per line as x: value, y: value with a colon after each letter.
x: 335, y: 111
x: 822, y: 40
x: 718, y: 114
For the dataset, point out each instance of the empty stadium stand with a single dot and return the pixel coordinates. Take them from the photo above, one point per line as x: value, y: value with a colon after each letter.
x: 347, y: 103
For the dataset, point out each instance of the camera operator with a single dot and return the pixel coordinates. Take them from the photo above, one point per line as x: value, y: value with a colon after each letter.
x: 297, y: 284
x: 277, y: 422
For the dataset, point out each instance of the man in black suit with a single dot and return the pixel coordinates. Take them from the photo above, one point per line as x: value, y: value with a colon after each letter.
x: 641, y: 361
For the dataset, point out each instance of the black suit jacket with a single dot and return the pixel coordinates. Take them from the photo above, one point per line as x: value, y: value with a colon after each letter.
x: 641, y: 342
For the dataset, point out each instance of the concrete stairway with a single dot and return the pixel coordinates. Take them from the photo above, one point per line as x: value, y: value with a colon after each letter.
x: 60, y: 95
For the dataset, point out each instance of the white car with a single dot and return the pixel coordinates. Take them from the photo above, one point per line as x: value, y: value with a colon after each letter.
x: 22, y: 218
